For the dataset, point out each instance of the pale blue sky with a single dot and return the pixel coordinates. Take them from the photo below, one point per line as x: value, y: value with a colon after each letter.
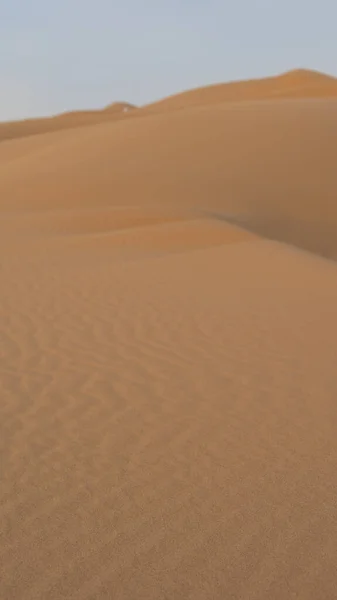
x: 64, y: 54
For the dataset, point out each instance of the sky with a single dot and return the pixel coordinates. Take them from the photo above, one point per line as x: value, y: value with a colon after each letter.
x: 71, y: 54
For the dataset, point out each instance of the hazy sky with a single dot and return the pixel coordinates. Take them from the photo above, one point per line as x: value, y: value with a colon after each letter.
x: 57, y: 55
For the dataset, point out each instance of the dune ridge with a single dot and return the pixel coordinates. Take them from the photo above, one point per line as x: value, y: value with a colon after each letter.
x: 68, y: 120
x: 299, y: 83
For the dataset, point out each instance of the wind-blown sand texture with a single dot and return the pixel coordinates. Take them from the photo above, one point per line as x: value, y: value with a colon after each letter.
x: 168, y: 344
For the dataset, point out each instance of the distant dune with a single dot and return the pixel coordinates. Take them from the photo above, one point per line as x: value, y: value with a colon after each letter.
x: 68, y: 120
x: 300, y: 83
x: 268, y: 165
x: 120, y: 107
x: 168, y: 330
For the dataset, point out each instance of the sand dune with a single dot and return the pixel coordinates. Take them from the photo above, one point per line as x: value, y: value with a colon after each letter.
x: 167, y: 352
x: 300, y: 83
x: 68, y: 120
x: 269, y: 166
x: 120, y: 107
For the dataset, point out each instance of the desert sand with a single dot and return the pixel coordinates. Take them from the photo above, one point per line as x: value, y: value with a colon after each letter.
x: 168, y: 343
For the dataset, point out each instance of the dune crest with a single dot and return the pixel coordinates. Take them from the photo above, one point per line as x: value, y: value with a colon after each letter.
x: 67, y: 120
x: 301, y: 83
x: 297, y: 83
x: 120, y: 107
x: 305, y: 77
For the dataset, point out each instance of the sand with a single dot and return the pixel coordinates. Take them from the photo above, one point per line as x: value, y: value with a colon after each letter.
x: 168, y: 330
x: 299, y: 83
